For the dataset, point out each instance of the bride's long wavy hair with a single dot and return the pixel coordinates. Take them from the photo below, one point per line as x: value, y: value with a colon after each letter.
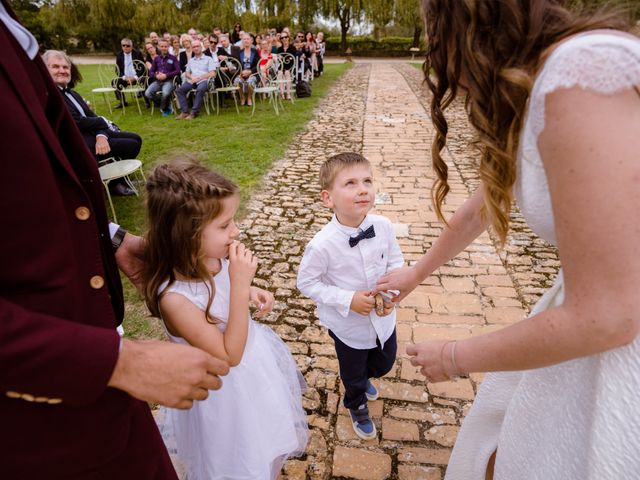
x: 183, y: 197
x: 492, y: 49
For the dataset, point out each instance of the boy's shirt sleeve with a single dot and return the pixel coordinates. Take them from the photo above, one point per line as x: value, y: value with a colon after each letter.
x: 313, y: 267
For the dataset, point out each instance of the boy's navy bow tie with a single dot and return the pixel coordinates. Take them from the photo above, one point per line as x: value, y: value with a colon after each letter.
x: 368, y: 233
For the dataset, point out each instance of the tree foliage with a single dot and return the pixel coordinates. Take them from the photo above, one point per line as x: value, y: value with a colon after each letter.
x: 346, y: 12
x: 100, y: 24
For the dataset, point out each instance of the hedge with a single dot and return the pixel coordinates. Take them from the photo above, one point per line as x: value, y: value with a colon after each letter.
x: 366, y: 45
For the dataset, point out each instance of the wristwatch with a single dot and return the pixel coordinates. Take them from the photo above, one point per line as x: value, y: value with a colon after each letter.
x: 116, y: 240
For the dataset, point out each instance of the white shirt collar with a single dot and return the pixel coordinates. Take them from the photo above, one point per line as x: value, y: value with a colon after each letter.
x: 350, y: 230
x: 21, y: 34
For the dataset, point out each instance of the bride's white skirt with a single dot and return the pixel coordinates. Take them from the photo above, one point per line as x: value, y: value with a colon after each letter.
x: 576, y: 420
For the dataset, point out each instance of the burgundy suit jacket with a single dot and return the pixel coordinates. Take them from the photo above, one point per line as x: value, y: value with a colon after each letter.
x: 60, y: 291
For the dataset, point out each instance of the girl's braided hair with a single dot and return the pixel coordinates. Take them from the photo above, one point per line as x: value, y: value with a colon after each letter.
x: 183, y: 196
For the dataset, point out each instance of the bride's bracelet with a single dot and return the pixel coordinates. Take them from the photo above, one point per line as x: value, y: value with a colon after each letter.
x: 444, y: 368
x: 456, y: 370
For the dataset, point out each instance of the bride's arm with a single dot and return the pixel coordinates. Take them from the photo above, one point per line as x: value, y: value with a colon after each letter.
x: 464, y: 226
x: 590, y: 149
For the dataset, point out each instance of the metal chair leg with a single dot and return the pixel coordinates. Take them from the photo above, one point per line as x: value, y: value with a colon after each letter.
x: 113, y: 210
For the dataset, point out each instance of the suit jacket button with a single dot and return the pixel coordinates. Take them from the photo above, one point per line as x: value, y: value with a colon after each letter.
x: 27, y: 397
x: 83, y: 213
x: 11, y: 394
x: 96, y: 282
x: 54, y: 401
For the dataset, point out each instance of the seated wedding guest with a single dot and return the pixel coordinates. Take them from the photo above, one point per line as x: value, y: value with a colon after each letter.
x: 275, y: 42
x: 199, y: 70
x: 236, y: 33
x: 151, y: 53
x: 164, y: 69
x: 186, y: 53
x: 226, y: 49
x: 127, y: 71
x: 246, y: 80
x: 174, y: 45
x: 321, y: 47
x: 102, y: 137
x: 266, y: 60
x: 313, y: 52
x: 153, y: 37
x: 303, y: 56
x: 287, y: 64
x: 212, y: 51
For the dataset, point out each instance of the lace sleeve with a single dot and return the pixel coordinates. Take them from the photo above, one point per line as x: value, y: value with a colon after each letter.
x: 601, y: 63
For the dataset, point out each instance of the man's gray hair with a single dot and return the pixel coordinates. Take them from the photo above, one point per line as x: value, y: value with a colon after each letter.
x: 55, y: 54
x: 128, y: 40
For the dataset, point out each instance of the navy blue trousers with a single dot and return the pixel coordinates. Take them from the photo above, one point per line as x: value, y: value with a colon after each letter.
x: 357, y: 366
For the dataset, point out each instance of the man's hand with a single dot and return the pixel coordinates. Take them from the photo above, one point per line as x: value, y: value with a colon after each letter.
x: 102, y: 145
x: 263, y: 300
x: 161, y: 76
x: 166, y: 373
x: 130, y: 256
x: 362, y: 303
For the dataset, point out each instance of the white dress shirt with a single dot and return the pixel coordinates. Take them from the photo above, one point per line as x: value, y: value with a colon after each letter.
x: 129, y: 71
x: 202, y: 65
x: 331, y: 272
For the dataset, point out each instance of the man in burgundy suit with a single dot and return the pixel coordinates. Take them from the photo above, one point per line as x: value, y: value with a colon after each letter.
x: 72, y: 394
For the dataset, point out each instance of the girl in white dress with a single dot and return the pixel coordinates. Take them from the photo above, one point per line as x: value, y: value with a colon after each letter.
x: 555, y: 100
x: 199, y: 282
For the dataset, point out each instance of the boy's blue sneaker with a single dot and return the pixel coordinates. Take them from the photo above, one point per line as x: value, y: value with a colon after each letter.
x: 166, y: 113
x: 372, y: 391
x: 362, y: 423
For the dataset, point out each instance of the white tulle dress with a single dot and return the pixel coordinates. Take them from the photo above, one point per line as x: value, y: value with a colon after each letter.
x: 248, y: 428
x: 578, y: 420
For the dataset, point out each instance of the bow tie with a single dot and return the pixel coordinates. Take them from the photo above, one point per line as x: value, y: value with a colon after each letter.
x: 368, y: 233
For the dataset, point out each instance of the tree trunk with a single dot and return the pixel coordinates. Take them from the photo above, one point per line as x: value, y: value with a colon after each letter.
x: 417, y: 33
x: 343, y: 42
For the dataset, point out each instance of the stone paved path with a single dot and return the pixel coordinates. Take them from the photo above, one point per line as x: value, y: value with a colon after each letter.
x: 379, y: 110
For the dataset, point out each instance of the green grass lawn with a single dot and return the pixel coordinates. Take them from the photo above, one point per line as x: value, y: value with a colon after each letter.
x: 238, y: 146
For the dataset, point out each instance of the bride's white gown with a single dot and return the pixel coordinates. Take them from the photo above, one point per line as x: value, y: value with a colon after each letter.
x: 579, y: 419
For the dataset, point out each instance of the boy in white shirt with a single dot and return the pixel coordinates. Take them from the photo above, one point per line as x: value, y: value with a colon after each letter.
x: 339, y: 270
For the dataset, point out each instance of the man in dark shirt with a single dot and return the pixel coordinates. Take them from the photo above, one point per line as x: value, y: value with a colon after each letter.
x: 164, y: 70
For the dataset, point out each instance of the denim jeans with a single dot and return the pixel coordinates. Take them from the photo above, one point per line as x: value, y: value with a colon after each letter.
x: 184, y: 90
x: 166, y: 86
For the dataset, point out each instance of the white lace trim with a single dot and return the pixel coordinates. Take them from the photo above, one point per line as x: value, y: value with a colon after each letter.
x: 601, y: 63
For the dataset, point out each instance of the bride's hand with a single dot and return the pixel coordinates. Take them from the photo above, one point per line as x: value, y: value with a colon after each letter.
x: 429, y: 356
x: 404, y: 279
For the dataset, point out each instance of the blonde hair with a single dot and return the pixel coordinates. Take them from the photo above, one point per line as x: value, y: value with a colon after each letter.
x: 183, y: 196
x: 495, y: 47
x: 334, y: 165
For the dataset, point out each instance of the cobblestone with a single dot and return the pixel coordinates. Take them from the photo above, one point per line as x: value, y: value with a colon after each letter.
x: 382, y: 112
